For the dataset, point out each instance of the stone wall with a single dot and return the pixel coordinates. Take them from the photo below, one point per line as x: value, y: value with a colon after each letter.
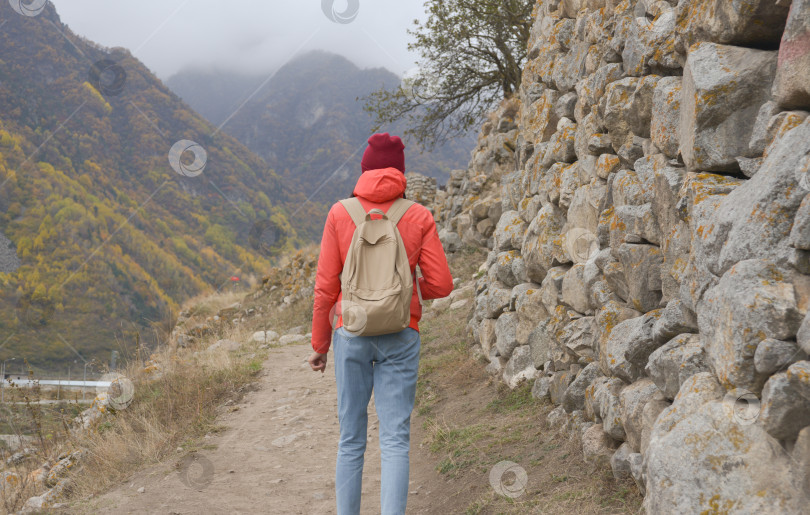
x: 421, y: 189
x: 644, y: 200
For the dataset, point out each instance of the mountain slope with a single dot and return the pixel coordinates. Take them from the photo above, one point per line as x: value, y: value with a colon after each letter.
x: 110, y: 237
x: 308, y: 121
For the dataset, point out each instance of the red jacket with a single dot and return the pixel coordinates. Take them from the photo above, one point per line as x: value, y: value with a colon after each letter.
x: 377, y: 189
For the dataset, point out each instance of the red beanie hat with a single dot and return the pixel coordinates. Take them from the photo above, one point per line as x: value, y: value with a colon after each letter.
x: 384, y: 151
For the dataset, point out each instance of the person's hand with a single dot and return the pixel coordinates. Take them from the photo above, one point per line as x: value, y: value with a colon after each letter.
x: 317, y: 362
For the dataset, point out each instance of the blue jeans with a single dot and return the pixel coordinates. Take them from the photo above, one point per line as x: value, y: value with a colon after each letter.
x: 387, y: 364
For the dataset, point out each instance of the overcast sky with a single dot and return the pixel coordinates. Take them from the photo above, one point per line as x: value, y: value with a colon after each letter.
x: 246, y: 35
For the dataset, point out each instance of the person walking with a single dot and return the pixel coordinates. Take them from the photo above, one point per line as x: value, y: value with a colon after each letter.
x: 376, y: 337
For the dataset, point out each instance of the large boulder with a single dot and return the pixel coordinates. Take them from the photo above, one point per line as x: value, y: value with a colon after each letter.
x: 497, y: 299
x: 486, y: 335
x: 559, y: 384
x: 753, y: 301
x: 723, y: 89
x: 530, y: 309
x: 505, y: 336
x: 666, y: 113
x: 709, y: 461
x: 694, y: 393
x: 603, y: 404
x: 641, y: 105
x: 774, y: 355
x: 520, y: 367
x: 541, y: 343
x: 625, y: 352
x: 784, y: 410
x: 542, y: 388
x: 591, y: 89
x: 651, y: 44
x: 801, y: 456
x: 768, y: 202
x: 570, y: 67
x: 583, y: 212
x: 618, y: 109
x: 633, y: 224
x: 608, y: 317
x: 644, y: 283
x: 574, y: 397
x: 509, y: 231
x: 574, y: 290
x: 675, y: 319
x: 676, y: 361
x: 792, y: 85
x: 634, y: 398
x: 620, y: 462
x: 539, y: 119
x: 799, y: 376
x: 628, y: 189
x: 734, y: 22
x: 502, y: 269
x: 702, y: 195
x: 543, y: 246
x: 560, y: 148
x: 597, y: 446
x: 579, y: 338
x: 752, y: 220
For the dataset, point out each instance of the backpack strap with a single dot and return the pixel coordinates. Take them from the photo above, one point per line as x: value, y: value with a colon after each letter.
x: 398, y: 209
x: 358, y: 213
x: 355, y: 210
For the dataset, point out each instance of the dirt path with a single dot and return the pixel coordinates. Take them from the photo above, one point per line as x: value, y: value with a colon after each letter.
x: 277, y: 448
x: 276, y: 455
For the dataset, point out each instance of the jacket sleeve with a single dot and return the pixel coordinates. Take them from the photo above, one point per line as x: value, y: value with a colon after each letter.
x: 436, y: 281
x: 327, y: 286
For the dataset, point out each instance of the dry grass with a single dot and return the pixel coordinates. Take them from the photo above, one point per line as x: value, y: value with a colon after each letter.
x: 209, y: 304
x: 464, y: 264
x: 467, y: 421
x: 178, y: 394
x: 177, y: 399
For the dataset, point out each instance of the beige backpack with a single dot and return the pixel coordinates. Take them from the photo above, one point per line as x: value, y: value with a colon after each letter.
x: 376, y: 282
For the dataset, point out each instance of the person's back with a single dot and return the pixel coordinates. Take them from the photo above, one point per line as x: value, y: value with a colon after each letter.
x: 386, y: 364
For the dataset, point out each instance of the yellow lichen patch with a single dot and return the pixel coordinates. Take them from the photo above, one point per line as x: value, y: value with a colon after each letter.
x: 791, y: 121
x: 11, y: 479
x: 799, y: 374
x: 719, y: 506
x: 738, y: 440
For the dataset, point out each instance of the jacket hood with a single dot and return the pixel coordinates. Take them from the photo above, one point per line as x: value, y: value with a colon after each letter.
x: 381, y: 185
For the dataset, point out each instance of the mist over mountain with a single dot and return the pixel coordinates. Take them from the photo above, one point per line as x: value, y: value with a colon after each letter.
x: 307, y: 121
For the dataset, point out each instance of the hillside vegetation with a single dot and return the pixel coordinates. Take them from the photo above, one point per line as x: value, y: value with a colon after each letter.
x: 109, y: 236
